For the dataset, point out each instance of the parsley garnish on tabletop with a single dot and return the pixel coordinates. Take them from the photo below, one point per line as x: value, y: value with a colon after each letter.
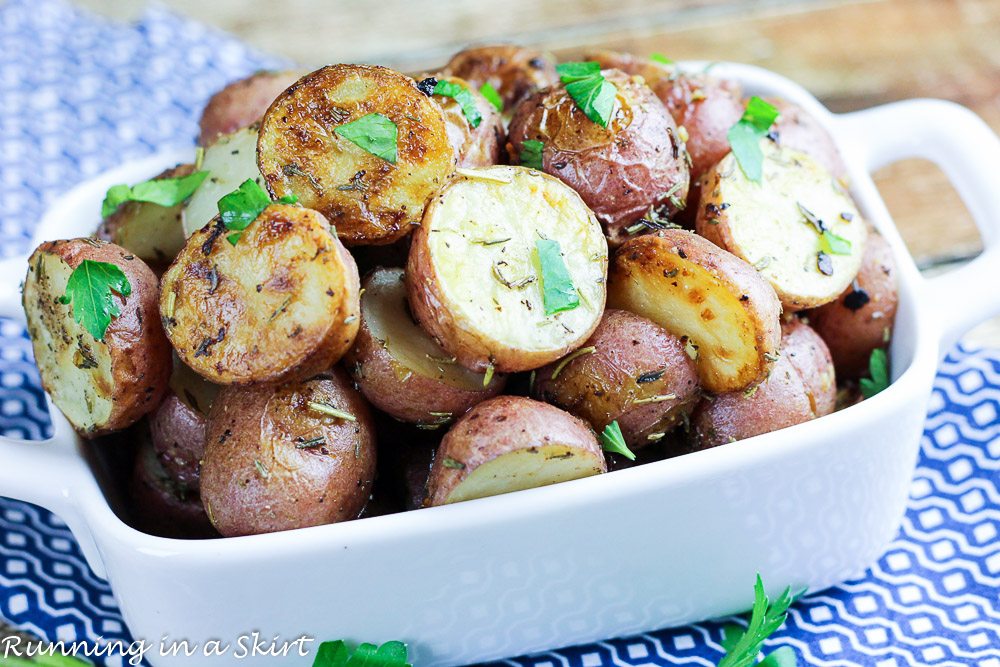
x: 531, y: 153
x: 374, y: 133
x: 878, y: 370
x: 336, y: 654
x: 613, y: 441
x: 492, y: 96
x: 745, y: 135
x: 159, y: 191
x: 593, y: 94
x: 765, y: 619
x: 558, y: 291
x: 90, y: 289
x: 465, y: 100
x: 243, y: 205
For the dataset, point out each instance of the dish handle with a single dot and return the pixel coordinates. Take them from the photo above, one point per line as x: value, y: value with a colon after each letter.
x: 52, y: 474
x: 968, y: 151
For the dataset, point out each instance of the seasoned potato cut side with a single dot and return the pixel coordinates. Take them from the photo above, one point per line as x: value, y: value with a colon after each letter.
x: 726, y: 314
x: 99, y: 385
x: 399, y: 367
x: 475, y: 274
x: 371, y: 200
x: 242, y: 103
x: 510, y: 444
x: 230, y: 161
x: 280, y: 304
x: 798, y: 227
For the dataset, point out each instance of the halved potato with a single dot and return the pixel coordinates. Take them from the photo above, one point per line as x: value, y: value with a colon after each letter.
x: 100, y: 385
x: 279, y: 457
x: 726, y: 314
x: 478, y: 146
x: 473, y: 273
x: 229, y: 161
x: 796, y: 128
x: 154, y: 233
x: 509, y: 444
x: 514, y: 71
x: 399, y: 367
x: 281, y: 304
x: 368, y: 199
x: 242, y: 103
x: 776, y: 225
x: 810, y: 357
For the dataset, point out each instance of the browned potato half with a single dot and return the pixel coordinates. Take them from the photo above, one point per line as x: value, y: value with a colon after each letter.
x: 515, y: 72
x: 861, y: 319
x: 229, y: 161
x: 287, y: 456
x: 99, y: 385
x: 154, y: 233
x: 810, y: 357
x: 779, y: 225
x: 623, y: 171
x: 722, y: 309
x: 370, y: 200
x: 177, y: 426
x: 795, y: 128
x: 399, y: 367
x: 242, y: 103
x: 650, y: 70
x: 478, y: 146
x: 475, y: 278
x: 778, y: 402
x: 631, y: 371
x: 509, y: 444
x: 281, y: 304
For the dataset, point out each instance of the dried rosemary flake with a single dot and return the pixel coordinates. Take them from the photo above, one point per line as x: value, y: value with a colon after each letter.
x: 261, y: 470
x: 570, y: 357
x: 327, y: 409
x: 449, y: 462
x: 654, y: 399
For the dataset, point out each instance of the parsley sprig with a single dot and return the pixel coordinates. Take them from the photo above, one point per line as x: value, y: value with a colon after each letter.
x: 244, y: 205
x: 613, y: 441
x: 745, y: 135
x: 465, y: 100
x: 374, y: 133
x: 558, y: 291
x: 878, y: 370
x: 593, y: 94
x: 765, y: 618
x: 336, y: 654
x: 492, y: 95
x: 90, y: 289
x: 160, y: 191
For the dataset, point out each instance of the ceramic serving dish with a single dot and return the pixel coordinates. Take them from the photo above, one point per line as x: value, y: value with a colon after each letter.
x: 661, y: 544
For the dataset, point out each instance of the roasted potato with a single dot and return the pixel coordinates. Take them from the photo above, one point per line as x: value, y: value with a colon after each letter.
x: 242, y: 103
x: 279, y: 305
x: 795, y: 128
x: 650, y: 70
x: 399, y: 367
x: 786, y: 225
x: 861, y: 319
x: 723, y: 311
x: 158, y: 503
x: 508, y: 444
x: 810, y: 357
x: 622, y: 172
x: 515, y: 72
x: 370, y: 200
x: 287, y: 456
x: 229, y: 161
x: 177, y: 426
x: 780, y: 401
x: 478, y: 146
x: 154, y: 233
x: 474, y: 275
x: 100, y: 385
x: 631, y: 371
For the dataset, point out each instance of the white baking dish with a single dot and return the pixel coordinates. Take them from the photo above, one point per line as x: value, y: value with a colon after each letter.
x: 662, y: 544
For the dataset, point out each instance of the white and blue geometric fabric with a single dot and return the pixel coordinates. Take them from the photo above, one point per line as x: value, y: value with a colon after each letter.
x: 80, y: 94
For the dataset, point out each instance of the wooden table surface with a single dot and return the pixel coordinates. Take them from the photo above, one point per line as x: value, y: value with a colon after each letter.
x: 851, y: 54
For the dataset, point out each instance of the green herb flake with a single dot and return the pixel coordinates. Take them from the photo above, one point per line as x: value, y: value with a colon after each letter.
x: 374, y: 133
x: 336, y: 654
x: 613, y: 441
x: 660, y: 58
x: 745, y: 135
x: 90, y: 289
x: 449, y: 462
x: 492, y: 96
x: 160, y: 191
x: 878, y: 370
x: 595, y: 96
x: 244, y: 205
x: 833, y: 244
x: 465, y: 100
x: 531, y: 153
x: 765, y: 619
x: 327, y: 409
x: 577, y: 71
x: 558, y: 292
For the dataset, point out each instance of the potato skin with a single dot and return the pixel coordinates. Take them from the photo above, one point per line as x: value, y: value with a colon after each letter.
x: 242, y: 102
x: 254, y: 479
x: 633, y: 358
x: 178, y: 433
x: 134, y: 341
x: 650, y: 70
x: 515, y: 72
x: 499, y: 426
x: 795, y: 128
x: 280, y: 305
x: 369, y: 200
x: 852, y: 326
x: 810, y: 357
x: 479, y: 146
x: 620, y: 171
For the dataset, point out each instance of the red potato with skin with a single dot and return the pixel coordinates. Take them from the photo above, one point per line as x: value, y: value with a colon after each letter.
x: 810, y: 357
x: 795, y: 128
x: 479, y: 146
x: 631, y: 371
x: 242, y: 103
x: 514, y: 71
x: 177, y: 426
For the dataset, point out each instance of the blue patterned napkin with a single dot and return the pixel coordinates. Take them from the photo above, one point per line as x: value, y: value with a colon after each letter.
x: 80, y: 94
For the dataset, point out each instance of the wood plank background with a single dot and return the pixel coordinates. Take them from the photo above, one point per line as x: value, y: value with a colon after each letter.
x: 852, y: 54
